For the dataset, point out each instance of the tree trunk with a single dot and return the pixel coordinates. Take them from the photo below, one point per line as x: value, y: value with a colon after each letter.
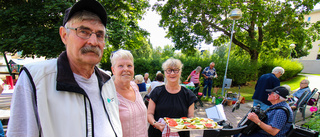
x: 254, y: 55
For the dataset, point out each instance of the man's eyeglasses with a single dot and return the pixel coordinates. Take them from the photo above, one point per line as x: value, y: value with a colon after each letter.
x: 169, y: 71
x: 272, y: 93
x: 86, y: 33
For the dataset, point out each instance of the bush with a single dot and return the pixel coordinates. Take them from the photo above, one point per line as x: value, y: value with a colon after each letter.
x: 240, y: 68
x: 314, y: 123
x: 292, y: 68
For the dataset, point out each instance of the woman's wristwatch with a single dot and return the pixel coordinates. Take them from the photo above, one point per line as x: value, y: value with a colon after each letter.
x: 153, y: 124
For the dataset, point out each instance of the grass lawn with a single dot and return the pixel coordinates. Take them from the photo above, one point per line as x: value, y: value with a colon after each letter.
x: 247, y: 90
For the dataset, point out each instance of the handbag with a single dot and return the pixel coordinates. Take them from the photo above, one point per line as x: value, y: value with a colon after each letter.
x: 299, y: 131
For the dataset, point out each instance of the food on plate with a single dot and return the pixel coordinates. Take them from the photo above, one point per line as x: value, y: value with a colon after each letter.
x: 180, y: 127
x: 191, y: 123
x: 192, y: 126
x: 200, y: 126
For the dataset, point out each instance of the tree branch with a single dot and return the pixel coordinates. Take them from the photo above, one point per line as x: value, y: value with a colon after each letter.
x: 234, y: 40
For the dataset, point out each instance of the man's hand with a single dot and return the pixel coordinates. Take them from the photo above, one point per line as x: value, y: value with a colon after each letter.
x: 253, y: 117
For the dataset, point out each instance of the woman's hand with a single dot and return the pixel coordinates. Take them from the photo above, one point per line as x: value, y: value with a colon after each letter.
x: 159, y: 126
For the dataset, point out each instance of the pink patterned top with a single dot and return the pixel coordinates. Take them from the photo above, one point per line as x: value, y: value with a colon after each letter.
x: 133, y: 115
x: 194, y: 77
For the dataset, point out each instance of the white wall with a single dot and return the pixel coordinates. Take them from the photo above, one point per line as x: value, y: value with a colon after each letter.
x: 311, y: 66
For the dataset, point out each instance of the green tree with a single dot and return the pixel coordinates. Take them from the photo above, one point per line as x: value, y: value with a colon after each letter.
x: 168, y: 51
x: 266, y: 25
x: 143, y: 51
x: 32, y: 26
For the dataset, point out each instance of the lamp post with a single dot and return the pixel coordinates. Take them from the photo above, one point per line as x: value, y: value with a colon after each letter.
x: 292, y: 46
x: 235, y: 14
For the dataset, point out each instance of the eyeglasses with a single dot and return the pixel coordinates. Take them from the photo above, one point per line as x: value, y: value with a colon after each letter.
x: 86, y: 33
x: 169, y: 71
x: 272, y: 93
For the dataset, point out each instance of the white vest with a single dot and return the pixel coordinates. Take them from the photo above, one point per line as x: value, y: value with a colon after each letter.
x: 63, y: 107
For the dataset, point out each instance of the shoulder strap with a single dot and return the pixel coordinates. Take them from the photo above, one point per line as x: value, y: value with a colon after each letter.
x: 34, y: 94
x: 31, y: 81
x: 283, y: 108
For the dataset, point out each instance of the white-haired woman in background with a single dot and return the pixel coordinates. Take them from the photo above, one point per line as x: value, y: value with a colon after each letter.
x: 170, y: 100
x: 133, y: 112
x: 139, y: 81
x: 195, y: 75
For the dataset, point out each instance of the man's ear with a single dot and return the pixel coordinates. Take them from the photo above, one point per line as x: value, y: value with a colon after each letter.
x: 63, y: 34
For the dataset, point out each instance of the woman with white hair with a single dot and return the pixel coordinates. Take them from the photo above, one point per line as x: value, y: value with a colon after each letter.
x: 142, y: 86
x: 195, y: 75
x: 170, y: 100
x: 133, y: 112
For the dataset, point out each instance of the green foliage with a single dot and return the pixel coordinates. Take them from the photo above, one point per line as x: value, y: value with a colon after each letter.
x: 314, y: 122
x: 33, y: 26
x: 292, y: 68
x: 240, y: 69
x: 266, y: 27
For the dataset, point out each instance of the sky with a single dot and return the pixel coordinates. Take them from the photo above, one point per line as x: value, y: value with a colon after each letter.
x: 150, y: 22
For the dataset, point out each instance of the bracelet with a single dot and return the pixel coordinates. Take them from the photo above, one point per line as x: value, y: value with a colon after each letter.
x: 154, y: 124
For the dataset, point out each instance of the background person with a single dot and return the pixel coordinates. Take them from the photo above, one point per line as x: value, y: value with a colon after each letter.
x: 266, y: 81
x: 73, y: 98
x: 304, y: 86
x: 209, y: 73
x: 195, y: 75
x: 170, y: 100
x: 146, y: 78
x: 276, y: 123
x: 142, y: 86
x: 133, y: 112
x: 157, y: 82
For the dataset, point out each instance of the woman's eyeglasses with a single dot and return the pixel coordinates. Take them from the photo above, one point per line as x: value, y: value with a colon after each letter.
x: 169, y: 71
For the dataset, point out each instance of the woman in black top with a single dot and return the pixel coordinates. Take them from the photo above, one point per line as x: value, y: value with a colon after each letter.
x: 170, y: 100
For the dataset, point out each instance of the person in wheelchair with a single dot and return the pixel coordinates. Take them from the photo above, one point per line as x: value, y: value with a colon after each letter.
x: 276, y: 124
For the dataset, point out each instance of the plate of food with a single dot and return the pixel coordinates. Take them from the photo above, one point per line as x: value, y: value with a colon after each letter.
x: 196, y: 123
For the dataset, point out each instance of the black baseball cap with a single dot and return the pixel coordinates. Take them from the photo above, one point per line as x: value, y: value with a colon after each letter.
x: 280, y: 90
x: 88, y: 5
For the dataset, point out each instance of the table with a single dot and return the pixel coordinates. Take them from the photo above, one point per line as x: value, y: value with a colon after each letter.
x: 188, y: 86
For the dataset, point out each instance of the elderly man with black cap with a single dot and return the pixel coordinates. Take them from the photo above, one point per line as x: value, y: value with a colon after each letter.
x: 278, y: 121
x: 69, y: 96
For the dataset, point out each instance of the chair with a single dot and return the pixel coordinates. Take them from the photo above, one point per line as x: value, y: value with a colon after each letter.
x: 199, y: 95
x: 304, y: 106
x: 301, y: 101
